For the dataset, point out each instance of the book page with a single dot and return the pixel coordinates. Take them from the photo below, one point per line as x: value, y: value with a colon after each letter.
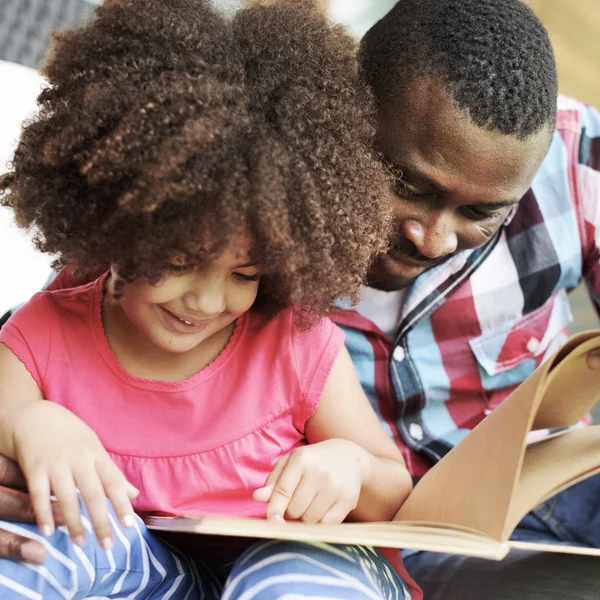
x: 553, y: 465
x: 560, y: 548
x: 417, y: 536
x: 571, y: 389
x: 472, y: 485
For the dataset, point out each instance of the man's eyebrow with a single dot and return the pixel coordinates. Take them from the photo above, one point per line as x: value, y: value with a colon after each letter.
x: 399, y: 169
x: 503, y: 204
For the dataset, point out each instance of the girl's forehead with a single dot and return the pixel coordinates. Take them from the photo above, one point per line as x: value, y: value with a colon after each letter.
x: 237, y: 250
x: 237, y: 246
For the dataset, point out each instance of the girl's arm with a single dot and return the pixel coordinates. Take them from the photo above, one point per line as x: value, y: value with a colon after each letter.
x: 351, y: 469
x: 58, y: 453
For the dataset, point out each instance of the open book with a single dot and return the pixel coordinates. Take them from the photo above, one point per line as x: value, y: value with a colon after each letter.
x: 471, y: 501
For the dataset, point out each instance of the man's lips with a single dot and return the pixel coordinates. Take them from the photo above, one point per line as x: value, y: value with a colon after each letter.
x: 400, y: 255
x: 182, y: 324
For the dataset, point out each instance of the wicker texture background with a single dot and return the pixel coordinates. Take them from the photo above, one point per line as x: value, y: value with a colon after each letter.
x: 25, y: 26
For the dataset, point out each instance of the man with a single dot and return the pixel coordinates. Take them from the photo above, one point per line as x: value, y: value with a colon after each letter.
x: 495, y: 208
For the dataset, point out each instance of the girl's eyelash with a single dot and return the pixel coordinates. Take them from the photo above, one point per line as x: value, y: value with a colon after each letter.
x: 179, y: 268
x: 243, y: 277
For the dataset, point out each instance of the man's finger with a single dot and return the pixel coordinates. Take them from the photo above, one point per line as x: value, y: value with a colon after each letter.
x: 15, y: 506
x: 21, y: 548
x: 10, y: 474
x: 593, y: 360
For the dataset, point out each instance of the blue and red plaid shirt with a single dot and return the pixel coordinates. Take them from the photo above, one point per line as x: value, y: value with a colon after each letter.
x: 473, y: 328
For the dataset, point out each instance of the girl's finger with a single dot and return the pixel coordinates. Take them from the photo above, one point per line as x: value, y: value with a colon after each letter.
x: 117, y: 489
x: 132, y: 491
x: 92, y: 492
x: 337, y: 513
x: 283, y: 491
x: 277, y: 470
x: 318, y: 508
x: 263, y: 494
x: 63, y: 487
x: 303, y: 496
x: 39, y: 494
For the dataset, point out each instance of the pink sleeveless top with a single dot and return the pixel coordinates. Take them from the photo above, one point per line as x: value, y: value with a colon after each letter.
x: 197, y: 446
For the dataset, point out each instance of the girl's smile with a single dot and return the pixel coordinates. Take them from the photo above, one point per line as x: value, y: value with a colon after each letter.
x: 179, y: 324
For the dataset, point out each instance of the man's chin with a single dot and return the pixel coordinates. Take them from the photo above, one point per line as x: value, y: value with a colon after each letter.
x: 387, y: 284
x: 389, y: 275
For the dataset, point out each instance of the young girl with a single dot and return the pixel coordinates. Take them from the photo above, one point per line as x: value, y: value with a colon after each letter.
x: 219, y: 174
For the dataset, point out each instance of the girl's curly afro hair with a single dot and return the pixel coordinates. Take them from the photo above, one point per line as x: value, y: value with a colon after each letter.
x: 167, y: 129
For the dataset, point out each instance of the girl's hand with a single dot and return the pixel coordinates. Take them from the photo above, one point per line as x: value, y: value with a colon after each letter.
x: 58, y: 453
x: 320, y: 483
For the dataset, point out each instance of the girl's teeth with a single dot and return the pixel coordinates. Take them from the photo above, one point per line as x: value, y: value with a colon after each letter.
x: 186, y: 322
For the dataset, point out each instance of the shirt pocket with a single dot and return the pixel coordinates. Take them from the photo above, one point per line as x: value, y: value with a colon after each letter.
x: 511, y: 352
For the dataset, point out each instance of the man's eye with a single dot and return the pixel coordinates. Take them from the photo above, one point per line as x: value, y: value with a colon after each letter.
x: 407, y: 190
x: 481, y: 214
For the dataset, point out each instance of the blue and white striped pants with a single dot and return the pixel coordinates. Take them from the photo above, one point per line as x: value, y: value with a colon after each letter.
x: 141, y: 566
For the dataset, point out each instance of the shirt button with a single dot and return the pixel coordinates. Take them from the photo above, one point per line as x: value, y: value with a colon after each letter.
x: 458, y: 264
x: 398, y: 354
x: 533, y: 345
x: 415, y: 431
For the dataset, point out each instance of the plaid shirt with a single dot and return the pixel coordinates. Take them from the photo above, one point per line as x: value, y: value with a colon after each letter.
x: 473, y: 328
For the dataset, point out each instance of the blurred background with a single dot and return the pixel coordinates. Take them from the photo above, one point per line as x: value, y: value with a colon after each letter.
x: 25, y: 27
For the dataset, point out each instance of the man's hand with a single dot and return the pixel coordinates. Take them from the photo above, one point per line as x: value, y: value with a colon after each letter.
x: 593, y: 360
x: 16, y: 506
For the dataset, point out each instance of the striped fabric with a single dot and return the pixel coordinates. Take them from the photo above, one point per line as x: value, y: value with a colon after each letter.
x: 142, y: 567
x: 474, y: 327
x: 139, y: 566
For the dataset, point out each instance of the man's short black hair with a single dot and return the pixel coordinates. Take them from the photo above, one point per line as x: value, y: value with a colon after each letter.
x: 494, y: 55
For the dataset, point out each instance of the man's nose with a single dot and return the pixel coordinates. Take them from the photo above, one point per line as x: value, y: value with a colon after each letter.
x: 434, y: 237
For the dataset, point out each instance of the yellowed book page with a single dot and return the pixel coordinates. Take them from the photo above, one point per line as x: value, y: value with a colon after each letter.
x: 386, y: 535
x: 571, y: 388
x: 472, y: 485
x: 551, y: 466
x: 556, y: 548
